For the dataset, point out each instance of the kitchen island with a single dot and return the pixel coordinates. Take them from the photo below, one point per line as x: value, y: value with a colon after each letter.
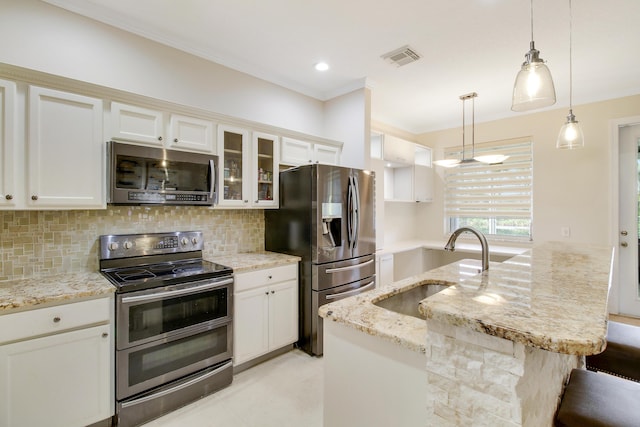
x: 495, y: 349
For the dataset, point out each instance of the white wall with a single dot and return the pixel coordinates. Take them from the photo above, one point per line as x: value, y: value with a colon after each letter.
x: 347, y: 119
x: 570, y: 188
x: 42, y: 37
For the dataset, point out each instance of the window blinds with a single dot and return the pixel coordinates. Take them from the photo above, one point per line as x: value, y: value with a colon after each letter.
x: 479, y: 190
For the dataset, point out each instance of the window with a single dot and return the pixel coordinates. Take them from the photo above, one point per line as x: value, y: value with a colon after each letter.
x: 495, y: 199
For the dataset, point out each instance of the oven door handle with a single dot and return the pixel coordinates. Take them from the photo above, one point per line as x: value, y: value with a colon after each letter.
x: 176, y: 388
x: 353, y: 291
x: 176, y: 293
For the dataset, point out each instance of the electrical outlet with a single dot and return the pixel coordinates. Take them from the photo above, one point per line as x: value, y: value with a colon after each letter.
x: 565, y: 231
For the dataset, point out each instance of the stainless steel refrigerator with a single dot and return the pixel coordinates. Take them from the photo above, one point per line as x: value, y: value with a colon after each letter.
x: 326, y: 217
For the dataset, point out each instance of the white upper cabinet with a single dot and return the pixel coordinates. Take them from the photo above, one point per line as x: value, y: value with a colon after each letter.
x: 234, y: 166
x: 408, y: 172
x: 248, y: 168
x: 296, y: 153
x: 65, y: 152
x: 159, y: 129
x: 398, y: 150
x: 8, y: 182
x: 326, y: 154
x: 137, y: 124
x: 190, y: 134
x: 422, y: 175
x: 265, y: 155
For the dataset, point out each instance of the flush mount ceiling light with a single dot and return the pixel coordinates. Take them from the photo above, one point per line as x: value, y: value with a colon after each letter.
x: 533, y: 87
x: 321, y: 66
x: 570, y: 135
x: 490, y: 158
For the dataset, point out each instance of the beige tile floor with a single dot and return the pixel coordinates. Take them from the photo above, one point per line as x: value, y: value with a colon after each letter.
x: 283, y: 392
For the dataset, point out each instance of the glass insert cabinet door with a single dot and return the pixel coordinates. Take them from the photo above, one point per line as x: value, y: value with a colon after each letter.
x: 265, y: 165
x: 233, y: 152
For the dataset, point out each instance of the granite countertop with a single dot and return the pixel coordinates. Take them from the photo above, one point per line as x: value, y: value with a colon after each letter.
x: 552, y: 297
x: 249, y: 261
x: 38, y: 292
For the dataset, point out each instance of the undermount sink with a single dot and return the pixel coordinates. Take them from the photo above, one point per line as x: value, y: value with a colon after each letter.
x: 406, y: 302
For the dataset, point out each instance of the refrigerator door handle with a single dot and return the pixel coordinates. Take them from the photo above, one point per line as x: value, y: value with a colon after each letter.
x: 356, y: 211
x: 349, y: 212
x: 353, y: 206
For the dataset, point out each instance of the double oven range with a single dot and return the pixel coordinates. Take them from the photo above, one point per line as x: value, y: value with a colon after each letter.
x: 173, y: 322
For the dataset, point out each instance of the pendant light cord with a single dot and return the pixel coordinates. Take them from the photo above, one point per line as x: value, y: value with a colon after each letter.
x: 463, y: 128
x: 570, y: 57
x: 473, y: 127
x: 531, y: 14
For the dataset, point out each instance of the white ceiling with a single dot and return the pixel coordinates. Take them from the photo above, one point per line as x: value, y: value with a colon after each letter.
x: 467, y: 45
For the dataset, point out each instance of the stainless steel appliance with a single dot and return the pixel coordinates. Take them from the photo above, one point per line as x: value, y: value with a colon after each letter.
x: 146, y: 175
x: 326, y: 217
x: 173, y: 322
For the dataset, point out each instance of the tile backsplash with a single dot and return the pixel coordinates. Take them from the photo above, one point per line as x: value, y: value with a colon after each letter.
x: 39, y: 243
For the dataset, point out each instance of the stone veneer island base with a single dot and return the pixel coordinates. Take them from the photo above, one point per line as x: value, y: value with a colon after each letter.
x: 496, y: 349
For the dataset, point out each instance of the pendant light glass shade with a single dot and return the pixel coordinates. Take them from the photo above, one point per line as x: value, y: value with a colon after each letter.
x: 447, y: 163
x: 533, y: 87
x: 570, y: 135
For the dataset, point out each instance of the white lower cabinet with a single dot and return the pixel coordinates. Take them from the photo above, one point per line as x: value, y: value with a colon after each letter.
x: 265, y: 311
x: 62, y: 379
x: 384, y: 267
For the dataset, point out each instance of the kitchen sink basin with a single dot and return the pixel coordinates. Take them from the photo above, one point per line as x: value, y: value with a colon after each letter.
x: 406, y: 302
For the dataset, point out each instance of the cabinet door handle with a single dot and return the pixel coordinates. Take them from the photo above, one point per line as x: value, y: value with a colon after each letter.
x: 273, y: 292
x: 9, y: 197
x: 270, y: 277
x: 34, y: 197
x: 104, y: 335
x: 175, y: 139
x: 56, y: 319
x: 159, y: 138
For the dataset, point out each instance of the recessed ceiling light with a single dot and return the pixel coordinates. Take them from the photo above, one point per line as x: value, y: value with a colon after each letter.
x: 322, y: 66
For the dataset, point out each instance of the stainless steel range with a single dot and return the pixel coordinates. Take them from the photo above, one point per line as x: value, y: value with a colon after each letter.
x: 173, y: 322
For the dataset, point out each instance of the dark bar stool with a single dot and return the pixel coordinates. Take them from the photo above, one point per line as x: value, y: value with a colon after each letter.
x: 593, y: 399
x: 622, y: 355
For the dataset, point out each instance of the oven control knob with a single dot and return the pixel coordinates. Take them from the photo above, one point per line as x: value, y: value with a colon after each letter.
x: 127, y: 245
x: 113, y: 246
x: 194, y: 241
x: 184, y: 241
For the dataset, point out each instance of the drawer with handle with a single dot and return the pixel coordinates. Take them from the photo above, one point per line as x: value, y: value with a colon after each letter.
x: 265, y: 276
x: 51, y: 320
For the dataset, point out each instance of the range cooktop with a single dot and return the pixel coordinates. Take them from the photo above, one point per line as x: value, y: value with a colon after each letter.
x: 142, y: 261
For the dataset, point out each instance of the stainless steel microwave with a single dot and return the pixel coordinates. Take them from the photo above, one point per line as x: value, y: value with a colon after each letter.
x: 139, y: 175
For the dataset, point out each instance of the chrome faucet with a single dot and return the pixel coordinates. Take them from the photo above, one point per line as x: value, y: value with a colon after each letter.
x: 451, y: 244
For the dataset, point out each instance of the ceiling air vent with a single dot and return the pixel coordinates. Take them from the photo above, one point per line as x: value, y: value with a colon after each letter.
x: 402, y: 56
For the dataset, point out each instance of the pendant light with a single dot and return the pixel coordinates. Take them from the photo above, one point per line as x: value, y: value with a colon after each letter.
x: 489, y: 158
x: 570, y: 135
x: 533, y: 87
